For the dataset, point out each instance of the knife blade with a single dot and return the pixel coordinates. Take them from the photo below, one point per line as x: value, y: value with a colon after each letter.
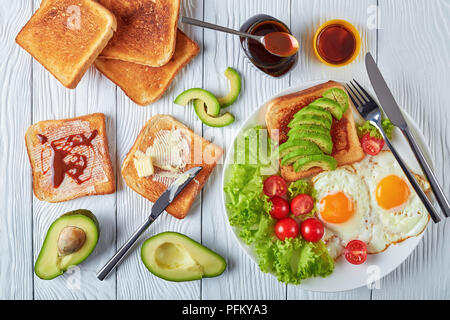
x: 393, y: 112
x: 387, y: 100
x: 158, y: 207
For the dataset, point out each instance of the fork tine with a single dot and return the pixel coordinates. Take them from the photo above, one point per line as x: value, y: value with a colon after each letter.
x: 358, y: 92
x: 367, y: 96
x: 353, y: 96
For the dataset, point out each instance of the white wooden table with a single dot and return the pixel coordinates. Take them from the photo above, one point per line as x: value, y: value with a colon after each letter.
x: 411, y: 43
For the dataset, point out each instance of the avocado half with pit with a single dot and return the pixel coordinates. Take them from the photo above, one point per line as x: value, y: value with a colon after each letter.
x: 175, y: 257
x: 69, y: 241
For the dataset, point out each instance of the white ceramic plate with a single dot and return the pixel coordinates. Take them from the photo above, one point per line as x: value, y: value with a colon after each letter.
x: 345, y: 276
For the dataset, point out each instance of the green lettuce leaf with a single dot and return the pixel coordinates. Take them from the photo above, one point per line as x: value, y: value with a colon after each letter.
x: 367, y: 127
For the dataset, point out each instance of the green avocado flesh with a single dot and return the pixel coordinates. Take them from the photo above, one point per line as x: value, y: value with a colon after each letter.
x: 297, y: 154
x: 292, y: 145
x: 323, y: 141
x: 175, y: 257
x: 235, y: 88
x: 330, y: 105
x: 314, y: 111
x: 212, y: 104
x: 323, y: 161
x: 220, y: 121
x: 310, y: 120
x: 308, y: 128
x: 62, y: 247
x: 339, y: 96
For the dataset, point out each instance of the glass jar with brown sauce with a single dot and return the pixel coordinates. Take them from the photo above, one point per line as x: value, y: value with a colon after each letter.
x: 271, y: 64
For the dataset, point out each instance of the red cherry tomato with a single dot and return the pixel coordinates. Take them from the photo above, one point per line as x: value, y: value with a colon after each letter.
x: 275, y: 186
x: 280, y: 208
x: 312, y: 229
x: 286, y: 228
x: 371, y: 145
x: 356, y: 252
x: 302, y: 204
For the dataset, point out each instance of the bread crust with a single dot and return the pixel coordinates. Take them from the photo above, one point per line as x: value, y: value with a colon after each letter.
x: 145, y: 85
x: 67, y: 50
x: 146, y: 31
x: 346, y: 146
x: 151, y: 189
x: 69, y: 189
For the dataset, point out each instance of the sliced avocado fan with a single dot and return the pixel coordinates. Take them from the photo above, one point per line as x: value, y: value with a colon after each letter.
x: 308, y: 119
x: 338, y: 95
x: 322, y: 161
x: 330, y: 105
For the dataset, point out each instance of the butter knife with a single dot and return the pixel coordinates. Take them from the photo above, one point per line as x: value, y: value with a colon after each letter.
x: 158, y: 207
x: 393, y: 112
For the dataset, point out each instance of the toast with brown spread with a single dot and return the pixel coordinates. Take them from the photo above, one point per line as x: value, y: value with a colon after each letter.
x: 69, y: 158
x: 346, y: 146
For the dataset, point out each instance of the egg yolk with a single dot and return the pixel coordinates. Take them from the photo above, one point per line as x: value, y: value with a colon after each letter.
x: 336, y: 208
x: 391, y: 192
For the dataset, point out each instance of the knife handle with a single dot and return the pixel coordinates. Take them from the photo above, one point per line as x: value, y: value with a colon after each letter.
x: 435, y: 187
x: 426, y: 202
x: 118, y: 257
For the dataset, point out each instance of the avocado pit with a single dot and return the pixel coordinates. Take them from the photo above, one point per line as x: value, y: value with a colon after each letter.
x: 70, y: 240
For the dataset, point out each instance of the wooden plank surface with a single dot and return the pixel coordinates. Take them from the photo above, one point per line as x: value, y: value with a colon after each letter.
x: 414, y: 57
x: 16, y: 229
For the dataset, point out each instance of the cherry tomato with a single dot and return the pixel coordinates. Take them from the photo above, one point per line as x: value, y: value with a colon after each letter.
x: 280, y: 208
x: 275, y: 186
x: 312, y: 229
x: 286, y: 228
x: 371, y: 145
x: 356, y: 252
x: 302, y: 204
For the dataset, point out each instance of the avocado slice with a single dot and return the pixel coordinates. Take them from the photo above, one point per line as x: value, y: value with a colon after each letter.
x: 314, y: 111
x: 324, y: 142
x: 330, y: 105
x: 297, y: 154
x: 175, y: 257
x: 308, y: 128
x: 221, y: 121
x: 307, y: 119
x: 235, y: 88
x: 294, y: 144
x: 338, y: 95
x: 69, y: 241
x: 212, y: 104
x: 318, y: 160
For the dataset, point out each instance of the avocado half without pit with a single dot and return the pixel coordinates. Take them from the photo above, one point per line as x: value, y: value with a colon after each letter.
x: 69, y: 241
x: 175, y: 257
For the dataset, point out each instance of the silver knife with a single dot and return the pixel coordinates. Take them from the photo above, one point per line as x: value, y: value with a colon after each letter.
x: 393, y: 112
x: 158, y: 207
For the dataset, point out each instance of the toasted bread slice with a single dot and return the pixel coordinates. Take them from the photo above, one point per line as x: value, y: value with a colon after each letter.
x: 146, y: 31
x: 346, y: 146
x: 143, y: 84
x: 69, y: 158
x: 66, y: 36
x: 202, y: 153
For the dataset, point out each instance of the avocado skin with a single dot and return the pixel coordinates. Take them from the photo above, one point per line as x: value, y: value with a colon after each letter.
x: 186, y: 238
x: 82, y: 212
x: 330, y: 105
x: 339, y: 96
x: 323, y: 161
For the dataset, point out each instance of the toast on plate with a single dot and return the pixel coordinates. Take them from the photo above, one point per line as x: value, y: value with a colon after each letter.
x: 146, y: 31
x: 66, y: 36
x: 69, y: 158
x: 143, y: 84
x: 173, y: 149
x: 346, y: 146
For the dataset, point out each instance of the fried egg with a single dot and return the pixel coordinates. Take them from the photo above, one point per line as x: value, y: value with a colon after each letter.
x: 397, y: 210
x: 343, y: 204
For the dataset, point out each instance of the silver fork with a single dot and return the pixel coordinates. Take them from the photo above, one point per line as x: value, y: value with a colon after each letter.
x: 370, y: 111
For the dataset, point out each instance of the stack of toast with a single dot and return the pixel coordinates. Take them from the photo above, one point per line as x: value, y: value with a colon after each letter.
x: 346, y: 146
x: 136, y: 44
